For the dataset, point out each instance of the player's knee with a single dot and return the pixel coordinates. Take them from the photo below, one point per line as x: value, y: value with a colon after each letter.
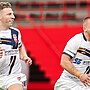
x: 15, y: 87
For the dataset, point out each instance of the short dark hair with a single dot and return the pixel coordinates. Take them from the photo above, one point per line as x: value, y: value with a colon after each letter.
x: 4, y: 5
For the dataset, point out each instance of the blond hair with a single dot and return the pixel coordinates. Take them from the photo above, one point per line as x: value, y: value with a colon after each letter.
x: 4, y: 5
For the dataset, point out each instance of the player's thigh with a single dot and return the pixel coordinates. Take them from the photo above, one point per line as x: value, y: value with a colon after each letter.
x: 16, y: 87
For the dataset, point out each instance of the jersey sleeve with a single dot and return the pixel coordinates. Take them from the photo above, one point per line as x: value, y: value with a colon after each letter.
x: 19, y: 39
x: 72, y: 46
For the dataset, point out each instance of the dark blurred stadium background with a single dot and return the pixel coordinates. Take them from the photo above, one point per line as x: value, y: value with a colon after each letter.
x: 46, y: 26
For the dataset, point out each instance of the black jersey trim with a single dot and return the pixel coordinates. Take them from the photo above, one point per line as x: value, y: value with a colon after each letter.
x: 84, y: 37
x: 67, y: 54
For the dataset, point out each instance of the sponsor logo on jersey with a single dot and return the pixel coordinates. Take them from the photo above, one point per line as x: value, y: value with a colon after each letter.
x: 87, y: 62
x: 15, y: 38
x: 11, y: 52
x: 77, y: 61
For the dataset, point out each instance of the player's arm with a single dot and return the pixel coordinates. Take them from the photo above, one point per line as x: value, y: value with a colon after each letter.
x: 22, y: 50
x: 69, y: 52
x: 24, y: 56
x: 66, y: 63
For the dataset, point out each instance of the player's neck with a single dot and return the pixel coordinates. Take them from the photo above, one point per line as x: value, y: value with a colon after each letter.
x: 3, y: 27
x: 87, y: 36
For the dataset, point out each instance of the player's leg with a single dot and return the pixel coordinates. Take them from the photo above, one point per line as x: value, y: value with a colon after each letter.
x: 16, y: 82
x: 16, y: 87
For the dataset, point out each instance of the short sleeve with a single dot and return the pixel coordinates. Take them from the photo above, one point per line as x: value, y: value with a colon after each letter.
x: 19, y: 39
x: 72, y: 46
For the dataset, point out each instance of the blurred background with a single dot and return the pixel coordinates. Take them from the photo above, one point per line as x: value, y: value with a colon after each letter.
x: 46, y: 26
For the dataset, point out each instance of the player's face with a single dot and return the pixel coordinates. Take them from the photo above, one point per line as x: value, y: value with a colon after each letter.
x: 7, y: 17
x: 87, y: 26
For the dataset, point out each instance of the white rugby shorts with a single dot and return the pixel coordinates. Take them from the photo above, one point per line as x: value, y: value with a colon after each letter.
x: 6, y: 81
x: 69, y: 84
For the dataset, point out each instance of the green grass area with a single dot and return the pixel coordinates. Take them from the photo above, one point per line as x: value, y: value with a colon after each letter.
x: 1, y: 89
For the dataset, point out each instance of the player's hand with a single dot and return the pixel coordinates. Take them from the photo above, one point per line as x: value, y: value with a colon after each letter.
x: 27, y: 60
x: 85, y: 79
x: 1, y: 52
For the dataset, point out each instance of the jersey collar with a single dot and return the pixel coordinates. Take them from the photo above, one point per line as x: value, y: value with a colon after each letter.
x: 84, y: 36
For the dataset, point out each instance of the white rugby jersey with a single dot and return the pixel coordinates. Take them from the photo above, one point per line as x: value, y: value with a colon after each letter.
x: 78, y: 48
x: 10, y: 41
